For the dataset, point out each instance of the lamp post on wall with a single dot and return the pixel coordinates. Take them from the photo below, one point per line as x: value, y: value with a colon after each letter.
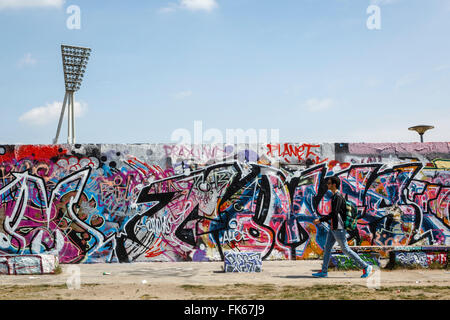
x: 74, y: 60
x: 421, y: 130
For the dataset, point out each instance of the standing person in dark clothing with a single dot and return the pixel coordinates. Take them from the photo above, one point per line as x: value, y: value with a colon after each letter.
x: 337, y: 231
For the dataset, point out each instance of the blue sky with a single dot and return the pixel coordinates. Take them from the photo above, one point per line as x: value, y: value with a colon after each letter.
x: 311, y: 69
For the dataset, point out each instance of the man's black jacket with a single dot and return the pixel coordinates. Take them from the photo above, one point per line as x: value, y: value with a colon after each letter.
x: 338, y: 207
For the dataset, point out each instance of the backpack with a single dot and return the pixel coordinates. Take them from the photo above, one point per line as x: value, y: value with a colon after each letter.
x: 351, y: 216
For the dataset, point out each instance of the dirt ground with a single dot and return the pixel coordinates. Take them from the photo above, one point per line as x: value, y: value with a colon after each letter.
x: 206, y: 280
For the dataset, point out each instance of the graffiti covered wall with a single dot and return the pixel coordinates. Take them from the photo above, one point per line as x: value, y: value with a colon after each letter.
x: 125, y: 203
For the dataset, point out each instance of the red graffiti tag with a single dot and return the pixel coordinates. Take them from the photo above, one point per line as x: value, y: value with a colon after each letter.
x: 301, y: 152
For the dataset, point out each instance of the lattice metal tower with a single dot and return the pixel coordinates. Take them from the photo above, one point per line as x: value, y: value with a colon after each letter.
x: 75, y: 61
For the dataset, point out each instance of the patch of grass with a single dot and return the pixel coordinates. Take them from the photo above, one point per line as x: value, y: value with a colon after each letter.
x: 240, y: 291
x: 240, y: 285
x: 58, y: 270
x: 35, y: 288
x: 437, y: 265
x: 430, y: 289
x: 266, y: 288
x: 192, y: 287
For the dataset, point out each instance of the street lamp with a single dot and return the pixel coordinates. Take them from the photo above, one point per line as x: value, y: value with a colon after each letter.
x: 421, y: 130
x: 74, y: 60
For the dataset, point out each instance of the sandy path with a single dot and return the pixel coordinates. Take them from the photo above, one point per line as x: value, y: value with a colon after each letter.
x: 169, y: 280
x: 210, y: 273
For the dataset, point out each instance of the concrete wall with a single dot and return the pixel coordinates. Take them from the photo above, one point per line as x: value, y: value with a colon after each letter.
x: 125, y: 203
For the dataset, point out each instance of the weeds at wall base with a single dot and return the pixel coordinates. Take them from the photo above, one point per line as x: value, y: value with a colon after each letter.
x: 416, y: 266
x: 58, y: 270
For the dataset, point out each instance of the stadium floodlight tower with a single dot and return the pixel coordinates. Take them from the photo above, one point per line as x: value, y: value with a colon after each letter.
x: 74, y: 60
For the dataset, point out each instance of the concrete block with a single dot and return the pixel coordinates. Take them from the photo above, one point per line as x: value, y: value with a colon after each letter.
x: 411, y: 258
x: 28, y: 264
x: 438, y: 257
x: 243, y: 261
x: 342, y: 262
x: 418, y: 258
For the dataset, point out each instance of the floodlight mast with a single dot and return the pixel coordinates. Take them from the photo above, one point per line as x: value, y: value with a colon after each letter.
x: 74, y: 60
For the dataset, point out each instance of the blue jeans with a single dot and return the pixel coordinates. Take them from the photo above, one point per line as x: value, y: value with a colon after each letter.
x: 340, y: 237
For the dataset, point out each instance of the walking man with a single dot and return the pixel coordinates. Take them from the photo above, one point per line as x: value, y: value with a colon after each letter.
x: 337, y: 231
